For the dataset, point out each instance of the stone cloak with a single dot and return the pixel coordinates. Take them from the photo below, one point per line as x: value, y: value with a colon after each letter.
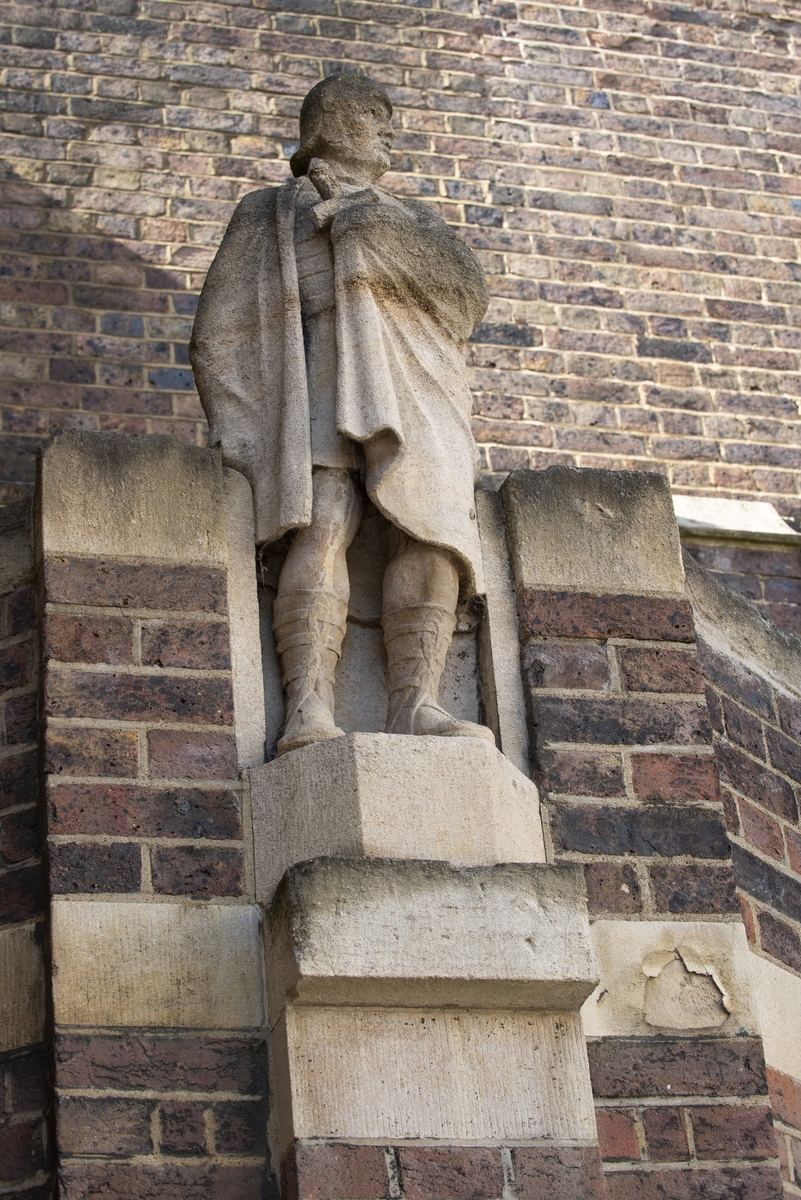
x: 408, y: 293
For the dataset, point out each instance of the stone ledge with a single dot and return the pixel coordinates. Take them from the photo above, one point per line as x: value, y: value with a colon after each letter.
x: 378, y: 795
x: 373, y: 932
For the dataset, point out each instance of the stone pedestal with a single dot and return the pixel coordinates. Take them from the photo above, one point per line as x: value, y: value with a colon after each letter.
x: 381, y: 795
x: 425, y: 972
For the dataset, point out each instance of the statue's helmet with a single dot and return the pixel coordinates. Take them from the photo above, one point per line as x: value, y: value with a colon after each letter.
x: 326, y: 95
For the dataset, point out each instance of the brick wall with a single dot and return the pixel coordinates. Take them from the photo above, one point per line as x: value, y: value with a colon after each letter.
x: 768, y: 575
x: 144, y: 799
x: 24, y: 1094
x: 608, y: 678
x: 627, y: 172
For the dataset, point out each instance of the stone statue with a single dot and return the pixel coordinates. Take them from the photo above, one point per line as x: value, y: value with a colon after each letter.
x: 328, y: 350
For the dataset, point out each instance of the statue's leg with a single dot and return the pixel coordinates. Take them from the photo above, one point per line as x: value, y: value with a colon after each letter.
x: 311, y: 609
x: 421, y: 589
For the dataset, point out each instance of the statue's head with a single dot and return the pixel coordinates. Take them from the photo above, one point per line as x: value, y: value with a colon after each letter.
x: 346, y: 119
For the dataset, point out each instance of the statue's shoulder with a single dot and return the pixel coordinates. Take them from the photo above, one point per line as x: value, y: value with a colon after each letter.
x: 256, y: 205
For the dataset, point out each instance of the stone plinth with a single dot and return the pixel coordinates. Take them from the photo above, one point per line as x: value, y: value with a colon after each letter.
x: 417, y: 1000
x: 387, y: 796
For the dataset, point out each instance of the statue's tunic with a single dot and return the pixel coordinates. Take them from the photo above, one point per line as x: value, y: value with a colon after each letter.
x: 407, y: 293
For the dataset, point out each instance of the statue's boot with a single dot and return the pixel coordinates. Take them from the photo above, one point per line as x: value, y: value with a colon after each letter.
x: 309, y: 630
x: 417, y: 640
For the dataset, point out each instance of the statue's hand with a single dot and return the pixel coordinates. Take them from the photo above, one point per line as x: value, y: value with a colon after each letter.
x: 323, y: 214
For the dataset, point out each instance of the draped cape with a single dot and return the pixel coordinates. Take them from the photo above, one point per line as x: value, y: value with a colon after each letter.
x: 408, y: 293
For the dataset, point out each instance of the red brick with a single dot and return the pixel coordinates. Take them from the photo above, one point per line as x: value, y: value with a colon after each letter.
x: 197, y: 645
x: 138, y: 810
x: 725, y: 1131
x: 542, y: 1173
x: 693, y: 888
x: 21, y: 894
x: 583, y: 615
x: 612, y: 887
x: 88, y: 639
x: 657, y: 670
x: 684, y: 778
x: 125, y: 697
x: 161, y: 1062
x: 665, y: 1134
x: 756, y: 781
x: 761, y: 831
x: 183, y: 754
x: 85, y: 1179
x: 81, y: 751
x: 560, y: 665
x: 450, y: 1172
x: 335, y: 1171
x: 617, y: 1135
x: 183, y: 1127
x: 723, y: 1183
x: 625, y: 1068
x: 134, y: 585
x: 89, y: 867
x: 785, y: 1097
x: 193, y: 871
x: 114, y: 1127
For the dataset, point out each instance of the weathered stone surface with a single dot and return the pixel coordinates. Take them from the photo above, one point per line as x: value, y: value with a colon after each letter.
x: 592, y: 531
x: 385, y: 796
x: 372, y: 932
x: 164, y: 965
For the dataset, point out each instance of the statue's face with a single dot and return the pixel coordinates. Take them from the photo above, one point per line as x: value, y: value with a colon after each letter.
x: 358, y: 133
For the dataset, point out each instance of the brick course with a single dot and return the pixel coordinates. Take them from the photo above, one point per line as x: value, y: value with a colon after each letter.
x: 628, y: 180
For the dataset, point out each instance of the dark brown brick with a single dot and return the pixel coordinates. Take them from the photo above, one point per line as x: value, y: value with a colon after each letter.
x: 582, y: 615
x: 693, y: 888
x: 450, y: 1172
x: 789, y: 711
x: 197, y: 645
x: 560, y: 665
x: 22, y: 719
x: 88, y: 639
x: 19, y: 780
x: 183, y: 1127
x: 133, y: 810
x: 27, y: 1068
x: 666, y: 830
x: 89, y: 867
x: 21, y: 1150
x: 761, y: 831
x: 138, y: 697
x: 684, y: 778
x: 193, y: 871
x: 656, y: 670
x: 571, y: 1173
x: 617, y: 1134
x: 780, y: 940
x: 81, y: 751
x: 240, y: 1127
x: 16, y: 666
x: 21, y: 894
x: 81, y: 1179
x: 721, y: 1183
x: 744, y: 728
x: 626, y: 721
x: 767, y: 883
x: 724, y: 1131
x: 19, y: 836
x: 335, y: 1171
x: 665, y: 1134
x: 785, y: 753
x: 736, y: 680
x: 582, y: 772
x: 161, y: 1062
x: 626, y: 1068
x: 134, y: 585
x: 756, y: 781
x: 114, y: 1127
x: 21, y: 611
x: 612, y: 888
x: 183, y: 754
